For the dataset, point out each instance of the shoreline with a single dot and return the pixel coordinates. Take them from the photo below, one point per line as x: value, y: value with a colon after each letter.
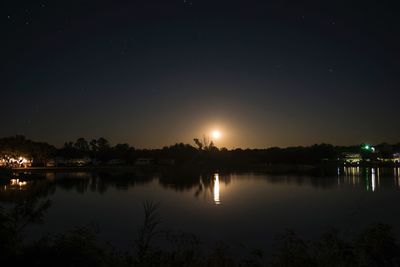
x: 301, y: 169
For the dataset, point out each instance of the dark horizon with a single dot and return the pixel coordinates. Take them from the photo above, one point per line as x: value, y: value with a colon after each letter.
x: 153, y: 73
x: 192, y: 143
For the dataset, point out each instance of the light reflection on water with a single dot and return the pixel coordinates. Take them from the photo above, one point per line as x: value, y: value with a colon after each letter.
x: 216, y: 189
x: 15, y: 184
x: 262, y: 204
x: 368, y: 178
x: 397, y: 176
x: 373, y: 179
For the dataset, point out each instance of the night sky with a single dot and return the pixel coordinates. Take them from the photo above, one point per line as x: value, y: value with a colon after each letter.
x: 153, y: 73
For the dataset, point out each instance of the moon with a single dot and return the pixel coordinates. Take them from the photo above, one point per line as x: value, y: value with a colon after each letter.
x: 216, y: 134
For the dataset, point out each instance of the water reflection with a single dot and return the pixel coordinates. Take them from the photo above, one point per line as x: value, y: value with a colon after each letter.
x: 15, y: 184
x: 373, y: 179
x: 378, y: 176
x: 260, y: 203
x: 206, y: 185
x: 352, y: 175
x: 216, y: 189
x: 396, y: 176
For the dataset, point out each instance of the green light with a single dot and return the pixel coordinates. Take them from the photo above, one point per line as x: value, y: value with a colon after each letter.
x: 366, y: 147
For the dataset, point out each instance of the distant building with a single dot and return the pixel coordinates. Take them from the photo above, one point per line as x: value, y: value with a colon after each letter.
x: 352, y: 158
x: 80, y: 161
x: 59, y: 162
x: 62, y: 162
x: 15, y: 162
x: 144, y: 161
x: 394, y: 158
x: 51, y: 163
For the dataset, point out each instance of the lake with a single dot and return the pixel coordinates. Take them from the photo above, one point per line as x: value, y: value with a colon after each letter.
x: 236, y: 208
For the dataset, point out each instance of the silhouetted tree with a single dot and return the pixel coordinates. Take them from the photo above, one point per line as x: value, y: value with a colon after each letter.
x: 93, y: 145
x: 205, y: 143
x: 198, y: 143
x: 102, y: 144
x: 82, y: 145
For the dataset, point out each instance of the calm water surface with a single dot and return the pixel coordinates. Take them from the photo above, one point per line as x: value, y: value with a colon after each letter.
x: 247, y: 208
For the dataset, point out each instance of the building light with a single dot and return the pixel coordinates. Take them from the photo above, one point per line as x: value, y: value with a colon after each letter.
x: 12, y: 162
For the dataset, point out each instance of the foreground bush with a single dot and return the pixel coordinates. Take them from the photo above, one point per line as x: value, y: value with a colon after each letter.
x: 375, y: 246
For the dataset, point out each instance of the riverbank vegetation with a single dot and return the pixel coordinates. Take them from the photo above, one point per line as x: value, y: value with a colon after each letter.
x: 375, y: 246
x: 101, y: 152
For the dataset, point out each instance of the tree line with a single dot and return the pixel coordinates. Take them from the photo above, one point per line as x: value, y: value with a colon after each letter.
x: 202, y: 151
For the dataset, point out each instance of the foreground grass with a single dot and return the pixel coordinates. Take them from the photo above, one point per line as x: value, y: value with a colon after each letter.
x: 375, y: 246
